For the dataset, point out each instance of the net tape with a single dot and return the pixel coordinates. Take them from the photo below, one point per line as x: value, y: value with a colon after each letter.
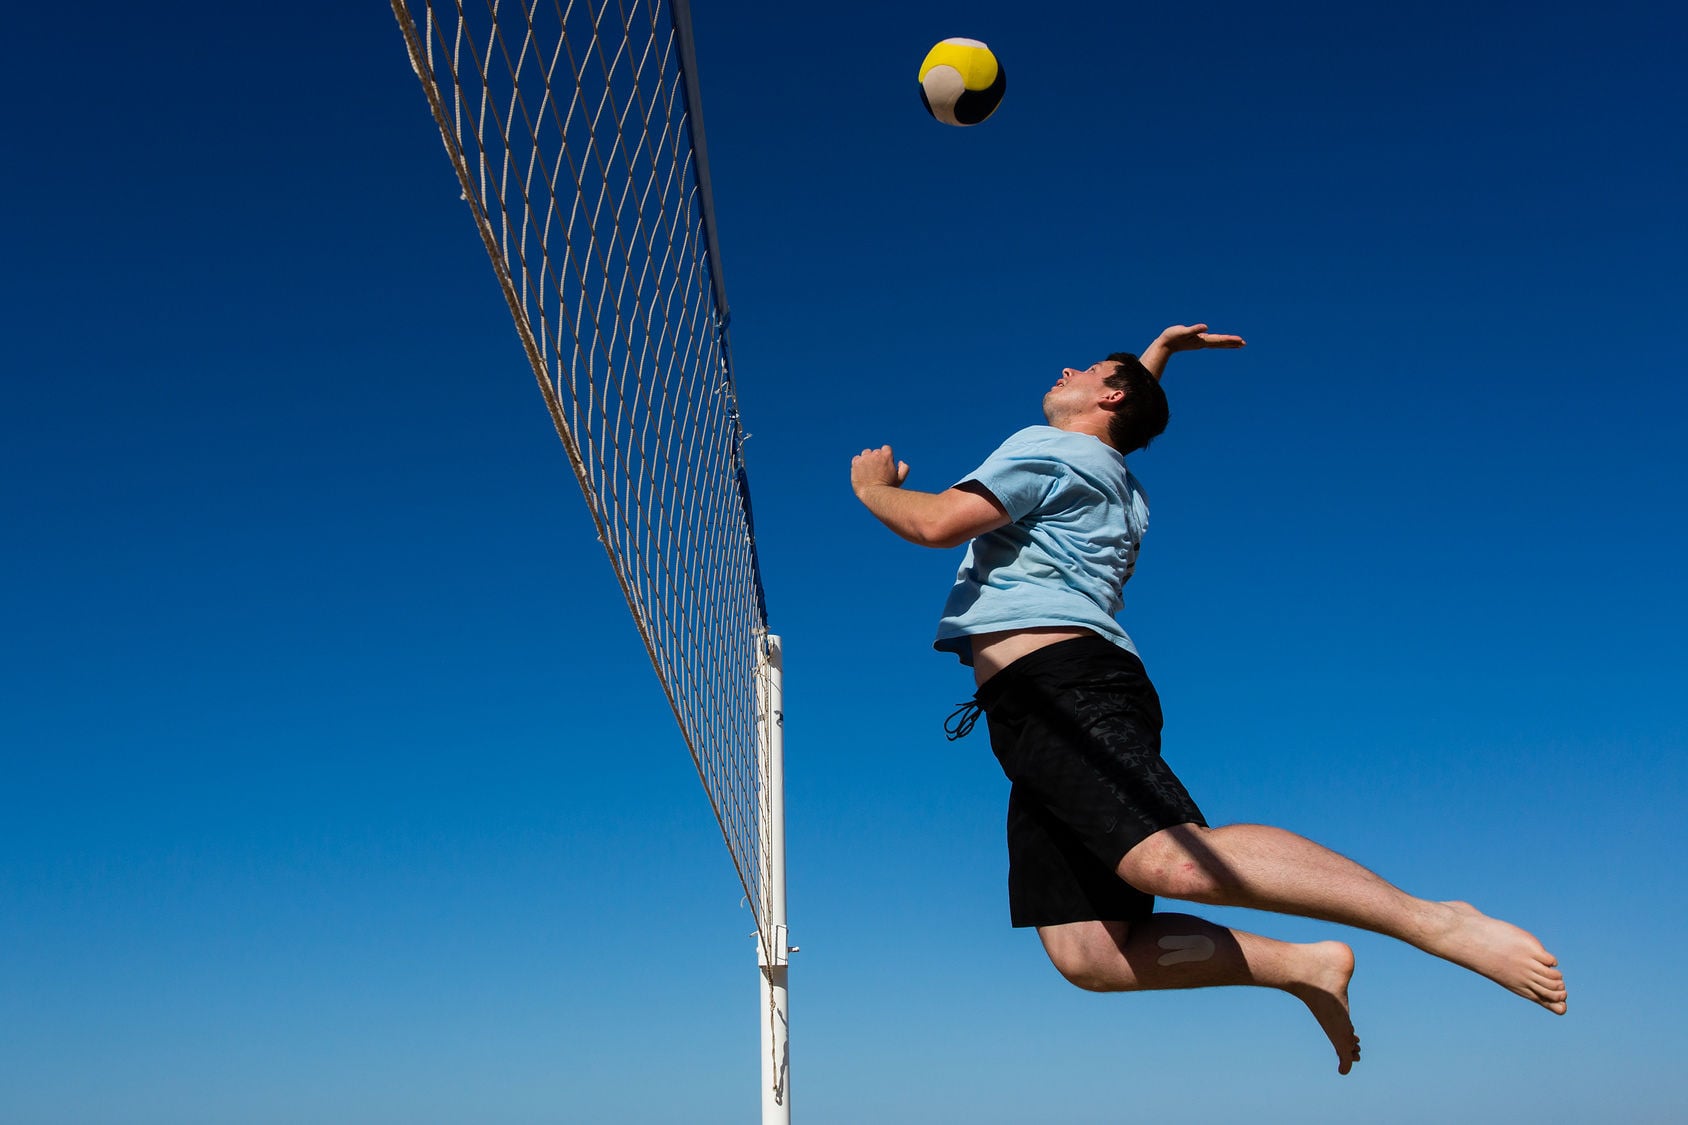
x: 573, y: 129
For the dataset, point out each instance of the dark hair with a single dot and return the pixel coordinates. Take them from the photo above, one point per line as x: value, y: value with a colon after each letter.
x: 1142, y: 417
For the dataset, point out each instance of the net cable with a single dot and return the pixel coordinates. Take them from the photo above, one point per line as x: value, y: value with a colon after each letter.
x: 575, y: 135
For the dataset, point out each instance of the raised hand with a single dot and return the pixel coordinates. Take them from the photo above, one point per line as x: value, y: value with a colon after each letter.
x: 1184, y: 338
x: 877, y: 467
x: 1189, y: 337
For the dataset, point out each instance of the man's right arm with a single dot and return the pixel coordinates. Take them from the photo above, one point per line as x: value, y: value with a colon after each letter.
x: 1183, y: 338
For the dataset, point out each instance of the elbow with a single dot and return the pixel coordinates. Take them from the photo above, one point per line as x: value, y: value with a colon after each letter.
x: 939, y: 535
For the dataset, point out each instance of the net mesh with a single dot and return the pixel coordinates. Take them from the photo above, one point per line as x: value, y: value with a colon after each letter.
x: 573, y: 129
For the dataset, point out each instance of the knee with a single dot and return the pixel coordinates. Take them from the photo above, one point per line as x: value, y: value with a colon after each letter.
x: 1087, y: 974
x: 1090, y: 959
x: 1176, y: 863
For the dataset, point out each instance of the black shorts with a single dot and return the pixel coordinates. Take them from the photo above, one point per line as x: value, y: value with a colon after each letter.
x: 1076, y: 727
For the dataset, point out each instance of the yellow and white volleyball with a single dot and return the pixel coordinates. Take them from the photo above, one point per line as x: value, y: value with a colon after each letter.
x: 961, y: 82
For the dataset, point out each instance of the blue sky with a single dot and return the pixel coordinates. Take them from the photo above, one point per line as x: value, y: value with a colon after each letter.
x: 337, y: 787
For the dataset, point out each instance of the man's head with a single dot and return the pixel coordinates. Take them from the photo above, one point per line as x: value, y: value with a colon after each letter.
x: 1116, y: 400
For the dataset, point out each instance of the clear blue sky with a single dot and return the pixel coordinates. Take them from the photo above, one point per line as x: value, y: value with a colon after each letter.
x: 336, y: 787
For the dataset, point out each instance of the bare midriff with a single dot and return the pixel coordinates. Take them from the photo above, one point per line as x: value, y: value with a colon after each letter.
x: 992, y: 652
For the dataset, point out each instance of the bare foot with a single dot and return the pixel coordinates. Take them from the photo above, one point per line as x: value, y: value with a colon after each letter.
x: 1507, y: 955
x: 1325, y: 992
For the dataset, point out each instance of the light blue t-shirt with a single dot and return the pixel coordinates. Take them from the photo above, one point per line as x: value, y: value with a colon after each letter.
x: 1078, y: 518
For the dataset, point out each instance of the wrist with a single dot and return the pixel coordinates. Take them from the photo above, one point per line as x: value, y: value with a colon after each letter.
x: 1154, y: 357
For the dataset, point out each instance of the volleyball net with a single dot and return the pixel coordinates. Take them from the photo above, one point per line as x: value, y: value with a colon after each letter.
x: 575, y: 133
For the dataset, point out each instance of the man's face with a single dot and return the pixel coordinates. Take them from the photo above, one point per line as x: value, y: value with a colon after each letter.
x: 1077, y: 390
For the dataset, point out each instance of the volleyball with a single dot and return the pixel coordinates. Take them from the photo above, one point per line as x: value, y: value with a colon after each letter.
x: 961, y: 82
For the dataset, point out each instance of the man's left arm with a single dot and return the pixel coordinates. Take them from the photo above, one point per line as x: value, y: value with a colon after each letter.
x: 931, y: 519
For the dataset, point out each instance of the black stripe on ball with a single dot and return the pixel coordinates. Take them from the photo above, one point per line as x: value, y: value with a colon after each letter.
x: 973, y: 106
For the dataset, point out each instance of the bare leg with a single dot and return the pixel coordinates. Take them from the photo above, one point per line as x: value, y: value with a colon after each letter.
x: 1266, y: 868
x: 1169, y: 951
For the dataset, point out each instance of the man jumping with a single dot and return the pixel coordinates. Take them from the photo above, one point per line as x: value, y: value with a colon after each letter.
x: 1098, y: 825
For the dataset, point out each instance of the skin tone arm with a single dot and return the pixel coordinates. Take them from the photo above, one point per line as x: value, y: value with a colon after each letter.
x: 1183, y: 338
x: 930, y: 519
x: 956, y: 515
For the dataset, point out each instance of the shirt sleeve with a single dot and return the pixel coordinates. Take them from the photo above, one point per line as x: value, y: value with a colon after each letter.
x: 1020, y: 474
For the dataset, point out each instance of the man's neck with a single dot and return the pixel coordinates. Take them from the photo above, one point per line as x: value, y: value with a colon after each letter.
x: 1099, y: 431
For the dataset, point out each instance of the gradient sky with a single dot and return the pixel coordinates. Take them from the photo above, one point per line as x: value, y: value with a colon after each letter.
x: 336, y: 785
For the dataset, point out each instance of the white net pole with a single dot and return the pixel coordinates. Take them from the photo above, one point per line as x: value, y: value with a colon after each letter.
x: 776, y: 1045
x: 574, y: 131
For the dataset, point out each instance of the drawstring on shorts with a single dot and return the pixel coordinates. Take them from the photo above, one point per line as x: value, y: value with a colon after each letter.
x: 961, y: 720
